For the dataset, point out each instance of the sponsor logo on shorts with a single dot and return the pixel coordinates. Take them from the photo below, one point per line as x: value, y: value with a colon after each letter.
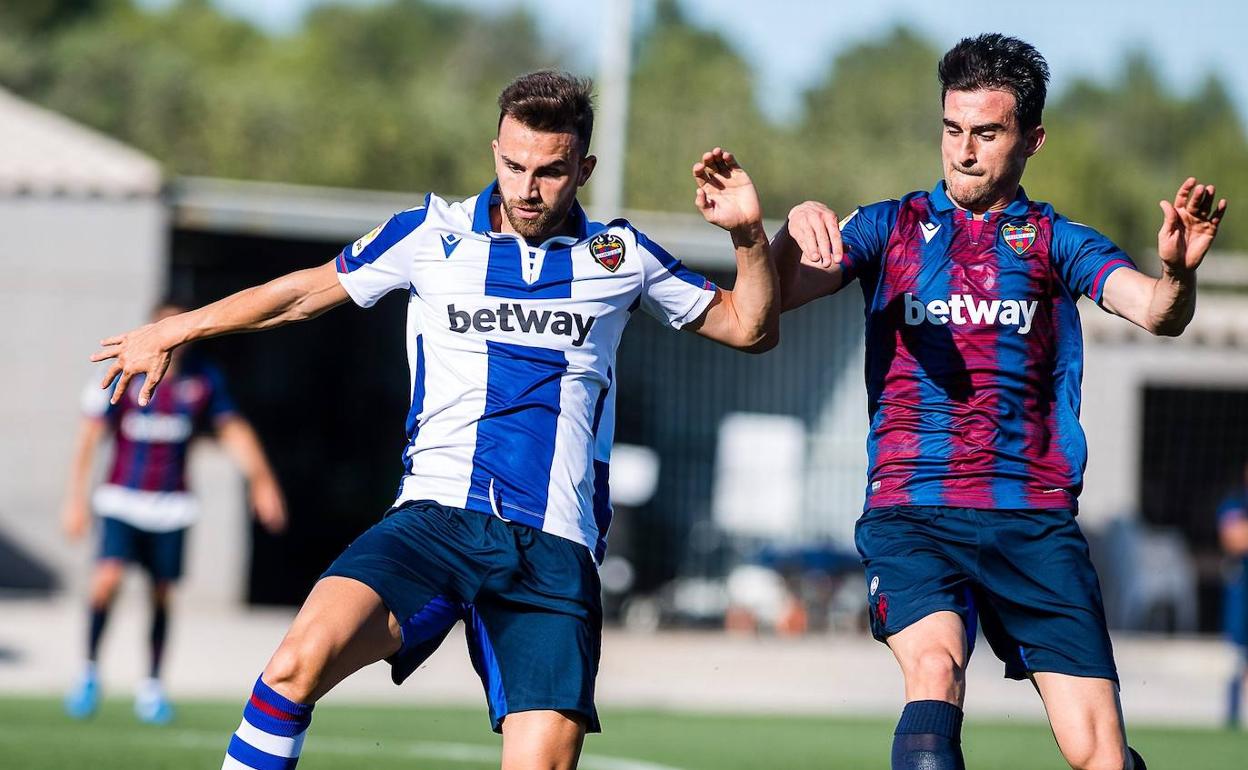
x: 875, y: 584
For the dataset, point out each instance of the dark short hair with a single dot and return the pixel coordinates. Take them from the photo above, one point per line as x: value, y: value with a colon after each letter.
x: 995, y: 61
x: 550, y: 100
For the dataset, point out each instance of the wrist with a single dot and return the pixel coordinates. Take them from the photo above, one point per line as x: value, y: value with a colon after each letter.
x: 748, y: 234
x: 1177, y: 274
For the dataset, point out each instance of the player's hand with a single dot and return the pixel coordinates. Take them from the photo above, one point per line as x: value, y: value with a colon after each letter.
x: 144, y: 350
x: 1189, y: 227
x: 726, y: 195
x: 817, y: 232
x: 75, y: 519
x: 269, y: 504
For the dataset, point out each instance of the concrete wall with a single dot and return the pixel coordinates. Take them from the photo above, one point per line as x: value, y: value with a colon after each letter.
x: 76, y: 269
x: 1120, y: 362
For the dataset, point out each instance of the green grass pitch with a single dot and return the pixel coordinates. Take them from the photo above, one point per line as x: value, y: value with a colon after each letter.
x: 35, y: 735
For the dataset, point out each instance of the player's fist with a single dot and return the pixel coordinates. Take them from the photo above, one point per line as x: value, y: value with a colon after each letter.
x: 817, y: 232
x: 269, y: 504
x: 726, y: 195
x: 75, y: 519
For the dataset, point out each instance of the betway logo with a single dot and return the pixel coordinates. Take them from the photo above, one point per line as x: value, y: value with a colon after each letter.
x: 963, y: 309
x: 156, y: 428
x: 513, y: 317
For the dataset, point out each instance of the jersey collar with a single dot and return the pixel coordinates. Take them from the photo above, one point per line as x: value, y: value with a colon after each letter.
x: 941, y: 202
x: 490, y: 197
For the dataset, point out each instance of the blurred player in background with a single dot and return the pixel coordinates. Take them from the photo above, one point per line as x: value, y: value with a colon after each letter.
x: 144, y: 509
x: 973, y: 367
x: 516, y: 304
x: 1233, y: 535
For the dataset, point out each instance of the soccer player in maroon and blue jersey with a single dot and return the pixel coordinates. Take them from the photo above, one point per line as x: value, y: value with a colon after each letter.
x: 144, y: 508
x: 1233, y: 537
x: 973, y: 366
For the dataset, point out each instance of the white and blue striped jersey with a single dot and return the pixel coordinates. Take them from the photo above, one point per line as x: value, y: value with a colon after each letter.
x: 511, y: 351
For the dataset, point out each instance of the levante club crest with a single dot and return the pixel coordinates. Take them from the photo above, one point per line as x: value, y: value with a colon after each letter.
x: 608, y: 250
x: 1019, y: 237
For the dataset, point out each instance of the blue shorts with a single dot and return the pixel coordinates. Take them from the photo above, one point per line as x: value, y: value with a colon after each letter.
x: 1024, y: 576
x: 530, y: 600
x: 160, y: 553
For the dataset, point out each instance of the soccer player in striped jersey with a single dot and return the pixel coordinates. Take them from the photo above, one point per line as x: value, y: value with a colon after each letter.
x: 516, y: 303
x: 973, y: 368
x: 143, y: 509
x: 1233, y: 536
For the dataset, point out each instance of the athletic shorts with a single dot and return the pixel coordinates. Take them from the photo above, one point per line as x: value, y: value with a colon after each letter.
x: 530, y: 602
x: 160, y: 553
x: 1025, y: 576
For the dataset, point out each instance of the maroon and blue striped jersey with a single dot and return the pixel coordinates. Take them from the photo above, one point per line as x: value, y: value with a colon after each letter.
x: 151, y: 441
x: 974, y: 352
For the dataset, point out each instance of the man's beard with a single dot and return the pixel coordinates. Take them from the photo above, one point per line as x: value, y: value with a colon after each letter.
x: 973, y: 193
x: 978, y: 191
x: 545, y: 224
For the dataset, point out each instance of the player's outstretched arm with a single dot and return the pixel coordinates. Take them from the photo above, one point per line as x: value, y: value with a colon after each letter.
x: 747, y: 317
x: 808, y: 253
x: 76, y: 510
x: 1165, y: 305
x: 296, y: 296
x: 267, y: 501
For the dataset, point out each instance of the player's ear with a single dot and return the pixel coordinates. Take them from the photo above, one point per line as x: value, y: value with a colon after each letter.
x: 1034, y: 140
x: 588, y: 163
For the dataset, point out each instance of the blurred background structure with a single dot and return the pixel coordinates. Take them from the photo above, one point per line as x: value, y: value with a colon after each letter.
x: 190, y: 148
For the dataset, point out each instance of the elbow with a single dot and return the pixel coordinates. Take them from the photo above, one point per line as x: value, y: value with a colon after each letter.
x: 1170, y: 327
x: 763, y: 341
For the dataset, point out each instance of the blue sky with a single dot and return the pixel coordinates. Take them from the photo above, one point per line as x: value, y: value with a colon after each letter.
x: 791, y: 41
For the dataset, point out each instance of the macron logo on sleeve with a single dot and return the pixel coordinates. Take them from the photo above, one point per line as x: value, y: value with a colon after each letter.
x: 962, y: 309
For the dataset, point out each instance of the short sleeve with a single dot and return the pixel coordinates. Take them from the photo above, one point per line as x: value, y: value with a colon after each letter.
x: 864, y: 234
x: 219, y: 405
x: 671, y: 292
x: 1232, y: 509
x: 94, y: 401
x: 377, y: 264
x: 1084, y: 258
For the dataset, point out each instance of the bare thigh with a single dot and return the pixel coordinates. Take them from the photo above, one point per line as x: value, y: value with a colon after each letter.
x: 1086, y: 717
x: 932, y: 654
x: 342, y: 627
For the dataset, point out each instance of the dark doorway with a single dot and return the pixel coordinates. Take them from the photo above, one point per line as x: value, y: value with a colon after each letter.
x: 1195, y: 444
x: 327, y: 397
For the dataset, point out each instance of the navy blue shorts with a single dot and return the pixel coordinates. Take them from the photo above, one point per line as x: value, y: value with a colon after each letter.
x: 531, y: 603
x: 160, y: 553
x: 1024, y: 576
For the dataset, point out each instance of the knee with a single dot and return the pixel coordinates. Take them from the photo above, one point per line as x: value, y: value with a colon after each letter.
x: 105, y: 583
x: 936, y: 668
x: 1094, y: 755
x: 161, y: 593
x: 296, y: 668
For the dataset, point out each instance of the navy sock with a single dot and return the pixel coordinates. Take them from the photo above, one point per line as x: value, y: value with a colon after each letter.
x: 1139, y: 761
x: 160, y: 626
x: 928, y: 737
x: 99, y: 616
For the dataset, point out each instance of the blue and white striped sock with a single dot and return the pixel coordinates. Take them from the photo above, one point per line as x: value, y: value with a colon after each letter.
x: 271, y: 734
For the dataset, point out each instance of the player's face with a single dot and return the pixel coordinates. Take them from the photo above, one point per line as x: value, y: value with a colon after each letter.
x: 983, y: 149
x: 539, y: 173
